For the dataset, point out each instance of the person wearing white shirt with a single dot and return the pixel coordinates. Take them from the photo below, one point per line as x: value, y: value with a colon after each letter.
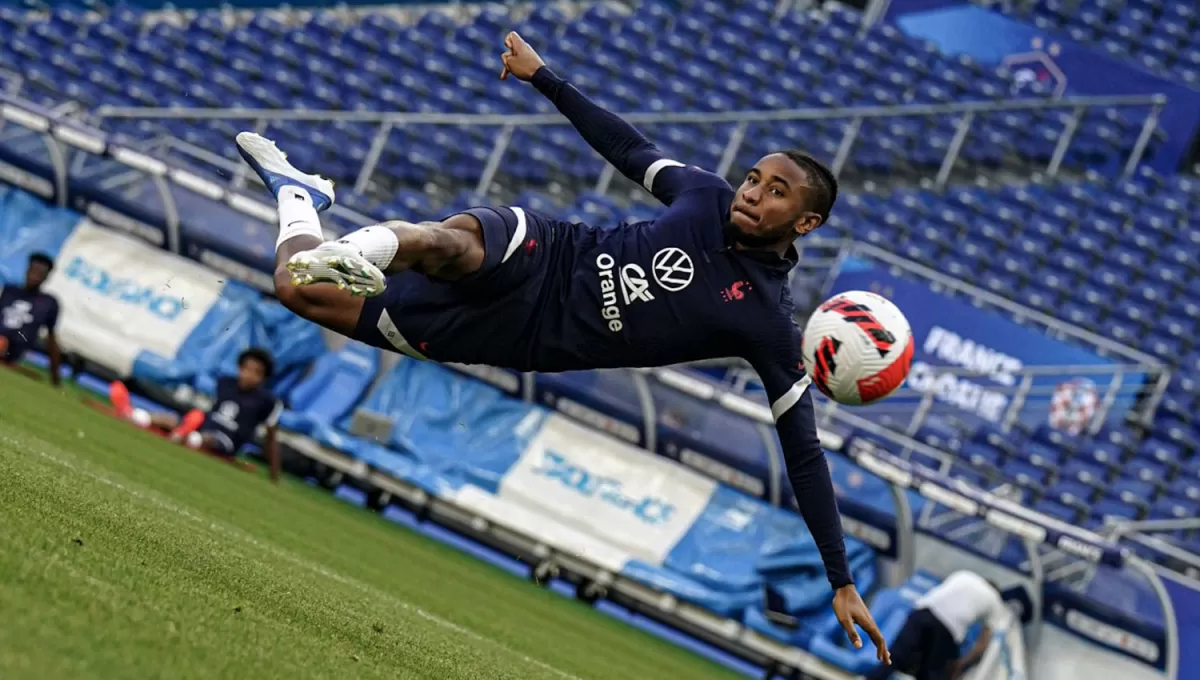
x: 928, y: 645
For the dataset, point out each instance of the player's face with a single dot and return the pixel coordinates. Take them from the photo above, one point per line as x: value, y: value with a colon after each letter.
x: 251, y: 374
x: 770, y: 207
x: 36, y: 275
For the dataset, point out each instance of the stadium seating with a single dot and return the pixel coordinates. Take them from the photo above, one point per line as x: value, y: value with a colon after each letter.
x: 710, y: 58
x: 334, y: 385
x: 1158, y: 35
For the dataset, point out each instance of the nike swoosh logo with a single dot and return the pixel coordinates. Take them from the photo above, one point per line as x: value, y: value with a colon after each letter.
x: 289, y: 226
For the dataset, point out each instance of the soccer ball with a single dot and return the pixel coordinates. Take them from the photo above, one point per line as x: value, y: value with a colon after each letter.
x: 857, y: 348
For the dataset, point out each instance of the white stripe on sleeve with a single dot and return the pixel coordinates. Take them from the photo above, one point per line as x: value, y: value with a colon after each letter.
x: 790, y: 398
x: 518, y: 236
x: 653, y: 170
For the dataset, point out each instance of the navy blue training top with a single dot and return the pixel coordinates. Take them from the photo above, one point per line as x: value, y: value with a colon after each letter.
x: 237, y: 413
x: 655, y: 293
x: 23, y: 315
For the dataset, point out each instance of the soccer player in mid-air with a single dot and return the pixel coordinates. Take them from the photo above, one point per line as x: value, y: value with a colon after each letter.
x: 242, y: 404
x: 25, y: 311
x: 512, y: 288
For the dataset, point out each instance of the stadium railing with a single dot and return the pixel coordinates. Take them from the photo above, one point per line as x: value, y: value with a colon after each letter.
x: 853, y: 117
x: 1149, y: 535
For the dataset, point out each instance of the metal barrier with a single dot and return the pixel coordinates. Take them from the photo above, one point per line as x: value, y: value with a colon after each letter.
x: 967, y: 115
x: 1144, y: 533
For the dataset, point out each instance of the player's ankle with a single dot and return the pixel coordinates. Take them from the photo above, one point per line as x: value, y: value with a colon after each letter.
x: 297, y: 215
x: 377, y: 244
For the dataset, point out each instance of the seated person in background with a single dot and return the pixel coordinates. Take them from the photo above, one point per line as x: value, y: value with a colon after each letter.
x: 25, y: 311
x: 241, y: 405
x: 927, y: 647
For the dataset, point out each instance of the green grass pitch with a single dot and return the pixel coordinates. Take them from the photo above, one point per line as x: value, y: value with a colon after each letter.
x: 122, y: 556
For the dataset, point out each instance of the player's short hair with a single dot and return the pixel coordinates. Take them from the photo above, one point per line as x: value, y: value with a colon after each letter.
x: 41, y: 258
x: 824, y: 184
x: 260, y: 355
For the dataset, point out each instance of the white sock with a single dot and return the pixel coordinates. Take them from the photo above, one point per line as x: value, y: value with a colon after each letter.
x: 377, y: 244
x: 297, y: 216
x: 194, y: 440
x: 140, y: 417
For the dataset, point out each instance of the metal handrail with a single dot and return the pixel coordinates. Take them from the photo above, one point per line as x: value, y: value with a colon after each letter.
x: 968, y: 113
x: 977, y: 107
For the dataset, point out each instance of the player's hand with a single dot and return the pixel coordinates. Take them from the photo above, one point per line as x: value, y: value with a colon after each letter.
x: 852, y: 611
x: 520, y: 60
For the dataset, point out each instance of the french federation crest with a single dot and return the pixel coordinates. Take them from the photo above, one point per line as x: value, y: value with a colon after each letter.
x: 1074, y: 405
x: 1038, y: 66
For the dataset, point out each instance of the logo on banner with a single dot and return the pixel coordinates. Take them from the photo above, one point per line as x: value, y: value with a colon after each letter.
x: 1074, y: 405
x: 673, y: 269
x: 121, y: 297
x: 129, y: 291
x: 651, y: 510
x: 1038, y: 66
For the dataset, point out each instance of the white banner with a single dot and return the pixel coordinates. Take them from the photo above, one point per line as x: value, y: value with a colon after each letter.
x: 639, y: 504
x: 119, y: 296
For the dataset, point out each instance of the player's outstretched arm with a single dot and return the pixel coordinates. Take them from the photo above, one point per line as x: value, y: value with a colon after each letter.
x: 787, y: 387
x: 616, y: 140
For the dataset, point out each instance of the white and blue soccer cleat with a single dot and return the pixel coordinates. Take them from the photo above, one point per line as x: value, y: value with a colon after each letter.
x: 341, y: 264
x: 276, y: 172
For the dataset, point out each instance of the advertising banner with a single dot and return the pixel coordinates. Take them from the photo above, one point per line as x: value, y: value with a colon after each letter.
x: 120, y: 296
x: 990, y: 354
x: 627, y: 498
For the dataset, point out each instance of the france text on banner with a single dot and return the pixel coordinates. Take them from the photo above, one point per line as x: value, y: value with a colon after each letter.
x: 640, y: 504
x: 120, y: 297
x: 952, y: 334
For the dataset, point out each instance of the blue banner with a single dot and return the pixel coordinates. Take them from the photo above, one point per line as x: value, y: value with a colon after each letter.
x: 951, y: 333
x: 1185, y: 600
x: 991, y: 38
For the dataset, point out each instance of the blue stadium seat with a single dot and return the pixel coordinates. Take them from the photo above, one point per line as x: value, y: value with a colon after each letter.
x: 334, y: 385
